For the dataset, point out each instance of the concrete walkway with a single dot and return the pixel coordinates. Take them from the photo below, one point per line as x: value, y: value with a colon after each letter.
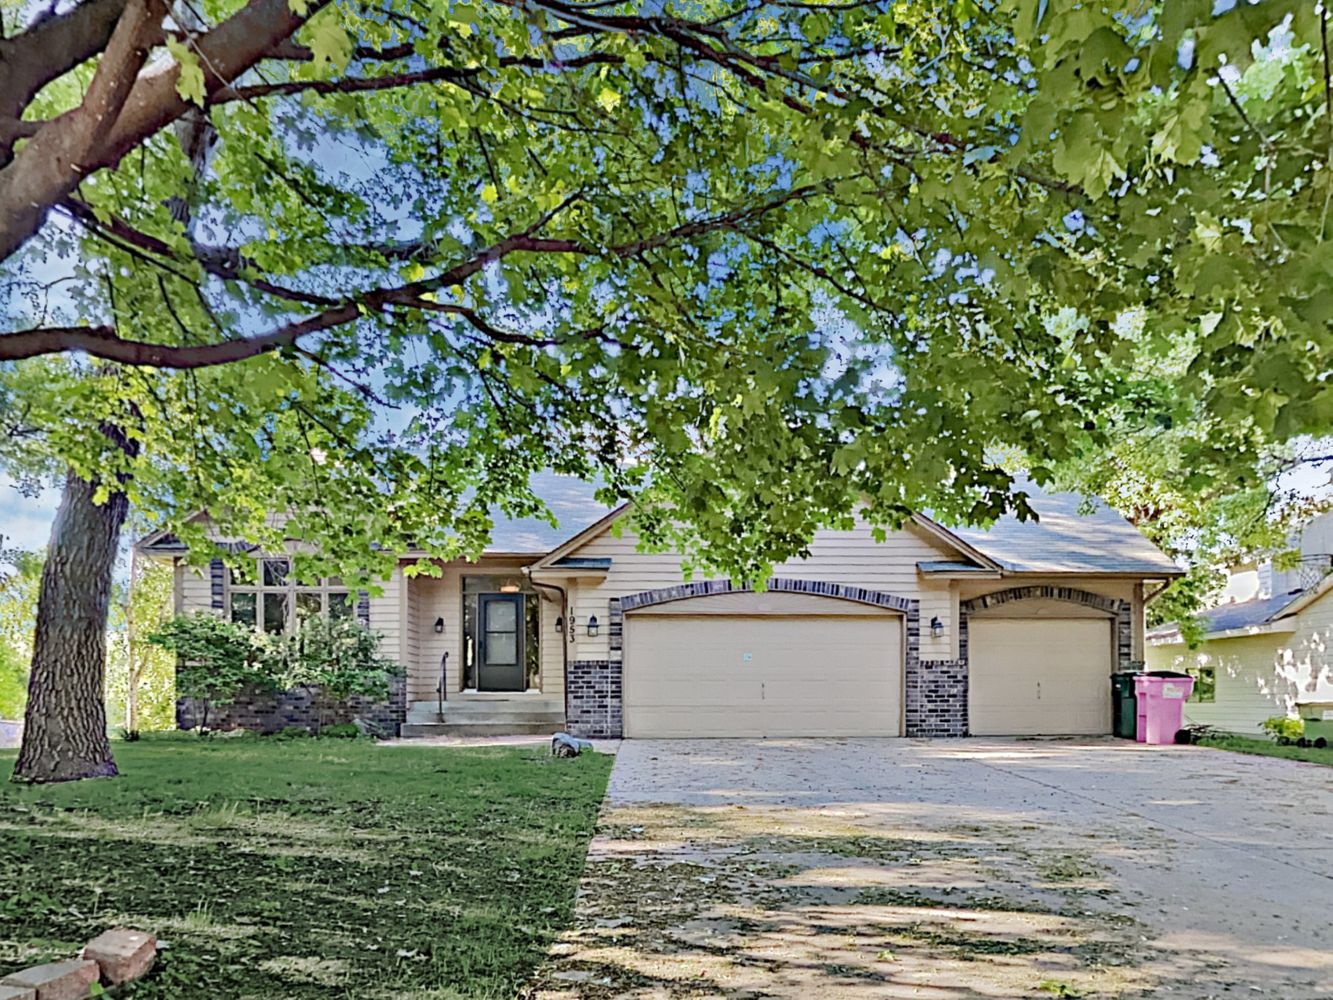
x: 953, y: 869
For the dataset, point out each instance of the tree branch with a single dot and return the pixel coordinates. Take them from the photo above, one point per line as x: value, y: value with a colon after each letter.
x: 54, y: 158
x: 50, y: 48
x: 31, y: 185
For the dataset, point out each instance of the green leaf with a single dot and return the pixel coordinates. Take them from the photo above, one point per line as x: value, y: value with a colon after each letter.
x: 190, y: 79
x: 329, y: 40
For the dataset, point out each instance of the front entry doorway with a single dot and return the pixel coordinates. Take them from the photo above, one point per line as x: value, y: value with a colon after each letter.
x: 501, y: 658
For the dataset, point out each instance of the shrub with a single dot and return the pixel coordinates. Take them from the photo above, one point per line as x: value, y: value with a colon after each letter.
x: 1284, y: 730
x: 13, y: 684
x: 216, y: 659
x: 341, y: 731
x: 292, y: 733
x: 333, y: 659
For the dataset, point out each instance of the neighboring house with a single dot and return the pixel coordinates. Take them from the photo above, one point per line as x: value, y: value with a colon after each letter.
x: 1268, y: 648
x: 931, y: 632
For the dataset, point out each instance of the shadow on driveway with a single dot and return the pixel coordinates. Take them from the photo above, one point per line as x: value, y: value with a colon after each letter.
x: 953, y: 869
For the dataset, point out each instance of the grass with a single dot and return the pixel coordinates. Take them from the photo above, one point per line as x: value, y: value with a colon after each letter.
x: 305, y: 868
x: 1267, y: 748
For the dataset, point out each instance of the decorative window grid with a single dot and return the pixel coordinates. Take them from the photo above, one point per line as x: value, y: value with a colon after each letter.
x: 271, y: 599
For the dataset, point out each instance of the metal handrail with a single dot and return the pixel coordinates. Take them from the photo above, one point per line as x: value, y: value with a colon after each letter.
x: 442, y: 688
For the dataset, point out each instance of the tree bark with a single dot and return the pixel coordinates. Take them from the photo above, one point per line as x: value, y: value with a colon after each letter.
x: 64, y: 733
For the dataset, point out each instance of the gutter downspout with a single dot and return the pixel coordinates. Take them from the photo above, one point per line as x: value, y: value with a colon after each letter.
x: 564, y: 646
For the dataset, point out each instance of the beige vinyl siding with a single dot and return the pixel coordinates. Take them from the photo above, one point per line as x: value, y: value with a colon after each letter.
x: 386, y: 616
x: 1259, y: 676
x: 1256, y: 678
x: 435, y: 597
x: 414, y: 625
x: 850, y: 557
x: 196, y: 589
x: 442, y: 597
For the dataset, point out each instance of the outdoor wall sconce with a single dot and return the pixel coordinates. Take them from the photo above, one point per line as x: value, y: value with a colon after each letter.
x: 591, y: 627
x: 936, y: 627
x: 559, y: 623
x: 439, y: 626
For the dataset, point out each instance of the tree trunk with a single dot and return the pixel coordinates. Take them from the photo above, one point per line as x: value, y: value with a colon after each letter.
x: 64, y: 734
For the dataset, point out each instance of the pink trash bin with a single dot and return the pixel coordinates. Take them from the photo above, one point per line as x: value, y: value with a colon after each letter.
x: 1161, y: 698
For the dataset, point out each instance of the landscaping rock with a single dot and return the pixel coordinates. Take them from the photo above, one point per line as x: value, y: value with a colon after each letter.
x: 564, y: 745
x: 122, y: 953
x: 17, y: 993
x: 58, y: 980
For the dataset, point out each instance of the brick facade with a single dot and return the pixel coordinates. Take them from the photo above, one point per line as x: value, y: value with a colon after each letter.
x: 595, y: 699
x: 270, y: 713
x: 936, y: 698
x: 935, y: 690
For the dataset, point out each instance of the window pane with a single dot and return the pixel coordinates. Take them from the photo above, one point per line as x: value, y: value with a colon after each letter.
x: 501, y: 647
x: 275, y: 613
x: 243, y: 609
x: 307, y: 606
x: 501, y: 616
x: 340, y: 605
x: 275, y: 572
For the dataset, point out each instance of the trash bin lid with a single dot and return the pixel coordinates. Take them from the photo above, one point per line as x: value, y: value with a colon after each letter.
x: 1164, y: 673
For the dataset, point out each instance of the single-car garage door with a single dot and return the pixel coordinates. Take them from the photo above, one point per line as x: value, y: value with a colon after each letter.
x: 1039, y: 676
x: 763, y: 675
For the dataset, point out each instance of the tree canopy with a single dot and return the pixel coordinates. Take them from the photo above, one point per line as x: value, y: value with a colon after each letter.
x: 748, y: 262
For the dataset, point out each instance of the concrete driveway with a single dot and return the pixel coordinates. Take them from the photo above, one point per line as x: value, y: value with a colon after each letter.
x: 953, y: 869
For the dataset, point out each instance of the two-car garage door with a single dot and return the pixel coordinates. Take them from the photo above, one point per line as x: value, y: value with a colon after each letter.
x: 763, y: 675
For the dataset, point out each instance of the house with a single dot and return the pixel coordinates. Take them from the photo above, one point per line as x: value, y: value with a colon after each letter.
x: 930, y: 632
x: 1267, y: 647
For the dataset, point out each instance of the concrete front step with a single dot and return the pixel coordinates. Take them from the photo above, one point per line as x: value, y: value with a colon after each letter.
x: 518, y: 711
x: 411, y: 729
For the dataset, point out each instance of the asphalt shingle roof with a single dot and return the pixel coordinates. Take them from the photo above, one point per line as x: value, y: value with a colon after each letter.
x: 1236, y: 615
x: 1068, y: 538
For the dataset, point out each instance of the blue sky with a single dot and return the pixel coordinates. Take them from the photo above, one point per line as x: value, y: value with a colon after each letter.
x: 25, y: 521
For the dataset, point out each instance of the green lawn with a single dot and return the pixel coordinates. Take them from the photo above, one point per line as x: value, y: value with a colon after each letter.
x: 304, y: 868
x: 1267, y: 748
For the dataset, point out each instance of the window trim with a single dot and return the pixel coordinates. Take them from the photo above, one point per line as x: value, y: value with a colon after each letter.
x: 325, y: 589
x: 1196, y: 693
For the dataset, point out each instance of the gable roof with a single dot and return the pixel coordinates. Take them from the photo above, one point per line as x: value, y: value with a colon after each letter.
x: 1256, y: 616
x: 1066, y: 539
x: 1073, y: 535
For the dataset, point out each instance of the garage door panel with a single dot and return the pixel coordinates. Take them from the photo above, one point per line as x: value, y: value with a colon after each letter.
x: 1039, y: 677
x: 735, y: 675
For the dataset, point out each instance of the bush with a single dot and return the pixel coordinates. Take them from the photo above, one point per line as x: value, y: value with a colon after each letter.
x: 217, y: 659
x: 341, y: 731
x: 333, y: 659
x: 1284, y: 730
x: 13, y: 684
x: 292, y: 733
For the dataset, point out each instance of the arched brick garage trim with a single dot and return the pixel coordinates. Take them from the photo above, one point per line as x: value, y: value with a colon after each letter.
x: 1119, y: 609
x: 595, y: 688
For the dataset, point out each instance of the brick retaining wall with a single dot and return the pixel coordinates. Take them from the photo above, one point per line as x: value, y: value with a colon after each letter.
x: 265, y: 712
